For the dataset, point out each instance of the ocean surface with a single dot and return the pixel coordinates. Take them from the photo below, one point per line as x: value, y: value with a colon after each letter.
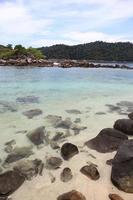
x: 101, y: 95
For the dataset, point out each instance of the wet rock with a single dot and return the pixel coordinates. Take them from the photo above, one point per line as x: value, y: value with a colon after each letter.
x: 124, y: 125
x: 18, y: 153
x: 72, y: 195
x: 27, y: 99
x: 126, y: 105
x: 7, y: 106
x: 54, y: 145
x: 58, y: 136
x: 66, y: 175
x: 113, y: 108
x: 77, y: 120
x: 65, y: 124
x: 9, y: 146
x: 115, y: 197
x: 130, y: 115
x: 53, y: 163
x: 69, y: 150
x: 74, y: 111
x: 32, y: 113
x: 37, y: 135
x: 53, y: 119
x: 10, y: 181
x: 109, y: 162
x: 108, y: 140
x: 100, y: 113
x: 29, y: 168
x: 122, y: 168
x: 77, y: 128
x: 90, y: 171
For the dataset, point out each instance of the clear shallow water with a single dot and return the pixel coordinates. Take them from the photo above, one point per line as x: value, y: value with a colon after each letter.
x: 88, y: 90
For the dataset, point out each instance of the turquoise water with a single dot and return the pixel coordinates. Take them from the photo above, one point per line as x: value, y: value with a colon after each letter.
x: 57, y: 90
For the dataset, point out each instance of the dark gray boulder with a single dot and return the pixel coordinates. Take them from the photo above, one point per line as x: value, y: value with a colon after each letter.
x: 122, y: 167
x: 66, y: 175
x: 72, y: 195
x: 10, y: 181
x: 69, y: 150
x: 53, y: 163
x: 37, y: 136
x: 108, y: 140
x: 90, y: 171
x: 124, y: 125
x: 32, y: 113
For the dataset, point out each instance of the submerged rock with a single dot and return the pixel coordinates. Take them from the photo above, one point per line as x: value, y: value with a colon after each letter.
x: 74, y: 111
x: 27, y: 99
x: 66, y: 175
x: 53, y: 163
x: 29, y: 168
x: 122, y: 168
x: 69, y: 150
x: 10, y: 181
x: 53, y: 119
x: 37, y: 135
x: 113, y: 108
x: 90, y: 171
x: 108, y: 140
x: 18, y: 153
x: 9, y: 146
x: 7, y: 106
x: 124, y: 125
x: 32, y: 113
x: 115, y: 197
x: 72, y: 195
x: 65, y: 124
x: 77, y: 128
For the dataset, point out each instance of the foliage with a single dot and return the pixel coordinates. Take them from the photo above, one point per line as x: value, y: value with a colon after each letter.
x: 91, y: 51
x: 7, y: 52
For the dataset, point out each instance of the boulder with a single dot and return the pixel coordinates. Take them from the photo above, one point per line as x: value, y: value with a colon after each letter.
x: 69, y: 150
x: 66, y: 175
x: 27, y: 99
x: 10, y: 181
x: 53, y: 163
x: 74, y: 111
x: 18, y: 153
x: 90, y: 171
x: 124, y: 125
x: 72, y: 195
x: 32, y: 113
x: 65, y: 124
x: 29, y: 168
x: 37, y: 135
x: 108, y: 140
x: 53, y: 119
x: 122, y: 167
x: 115, y: 197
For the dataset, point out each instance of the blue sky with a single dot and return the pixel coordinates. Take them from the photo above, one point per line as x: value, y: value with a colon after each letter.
x: 47, y: 22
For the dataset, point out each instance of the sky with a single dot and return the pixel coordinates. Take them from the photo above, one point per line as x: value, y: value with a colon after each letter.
x: 47, y: 22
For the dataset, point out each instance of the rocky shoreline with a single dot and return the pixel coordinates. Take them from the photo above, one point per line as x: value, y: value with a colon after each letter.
x: 59, y: 63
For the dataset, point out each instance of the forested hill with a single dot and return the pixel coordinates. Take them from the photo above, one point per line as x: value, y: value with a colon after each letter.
x: 121, y: 51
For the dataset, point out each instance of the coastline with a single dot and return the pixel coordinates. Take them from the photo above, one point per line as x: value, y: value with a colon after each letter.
x: 62, y: 63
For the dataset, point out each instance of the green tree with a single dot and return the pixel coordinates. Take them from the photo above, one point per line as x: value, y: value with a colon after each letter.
x: 35, y: 52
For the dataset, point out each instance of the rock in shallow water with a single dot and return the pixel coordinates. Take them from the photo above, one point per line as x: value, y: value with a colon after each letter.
x: 108, y: 140
x: 122, y: 168
x: 10, y: 181
x: 72, y: 195
x: 37, y: 136
x: 53, y: 163
x: 69, y: 150
x: 18, y: 153
x: 115, y: 197
x: 27, y: 99
x: 32, y: 113
x: 90, y: 171
x: 66, y: 175
x: 124, y: 125
x: 73, y: 111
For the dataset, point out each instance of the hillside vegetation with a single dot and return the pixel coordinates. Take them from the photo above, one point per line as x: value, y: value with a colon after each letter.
x: 92, y: 51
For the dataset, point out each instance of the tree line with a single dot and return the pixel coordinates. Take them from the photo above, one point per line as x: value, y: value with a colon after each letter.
x: 120, y: 51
